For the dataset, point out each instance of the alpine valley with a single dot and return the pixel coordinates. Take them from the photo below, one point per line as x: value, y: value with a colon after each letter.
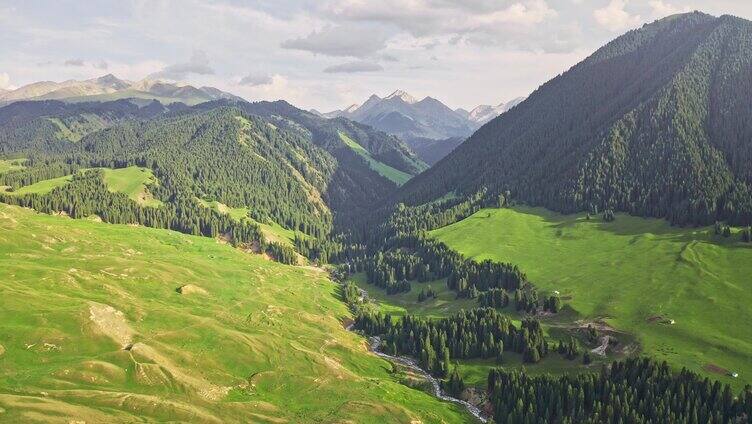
x: 583, y: 255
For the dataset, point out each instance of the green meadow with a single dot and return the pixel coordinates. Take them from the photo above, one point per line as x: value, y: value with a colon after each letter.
x: 10, y: 165
x: 637, y: 275
x: 132, y: 181
x: 43, y: 187
x: 401, y: 304
x: 386, y: 171
x: 118, y: 323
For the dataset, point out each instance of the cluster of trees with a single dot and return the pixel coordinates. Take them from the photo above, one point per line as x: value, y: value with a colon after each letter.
x: 568, y: 349
x: 469, y: 275
x: 552, y: 303
x: 494, y: 298
x: 634, y: 391
x: 525, y: 299
x: 427, y: 293
x: 477, y: 333
x: 454, y: 385
x: 282, y: 253
x: 392, y: 270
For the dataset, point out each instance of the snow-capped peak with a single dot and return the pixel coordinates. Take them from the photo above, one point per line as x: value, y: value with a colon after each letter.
x: 402, y: 95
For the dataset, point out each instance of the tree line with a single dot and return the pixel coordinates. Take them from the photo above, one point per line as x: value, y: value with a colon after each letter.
x: 636, y: 390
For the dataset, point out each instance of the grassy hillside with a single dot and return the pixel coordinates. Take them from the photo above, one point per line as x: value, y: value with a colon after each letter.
x: 132, y: 181
x: 10, y: 165
x: 636, y: 274
x: 395, y: 175
x: 94, y: 329
x: 44, y: 186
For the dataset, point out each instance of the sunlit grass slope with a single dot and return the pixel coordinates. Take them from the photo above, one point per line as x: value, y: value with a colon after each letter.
x: 386, y: 171
x: 638, y: 274
x: 132, y: 181
x: 96, y: 330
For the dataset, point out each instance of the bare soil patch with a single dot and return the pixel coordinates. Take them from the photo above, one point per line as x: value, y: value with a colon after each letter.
x: 715, y: 369
x: 191, y: 289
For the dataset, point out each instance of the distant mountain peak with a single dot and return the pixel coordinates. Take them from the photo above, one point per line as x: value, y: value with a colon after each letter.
x: 403, y: 95
x: 352, y: 108
x: 111, y: 81
x: 109, y: 87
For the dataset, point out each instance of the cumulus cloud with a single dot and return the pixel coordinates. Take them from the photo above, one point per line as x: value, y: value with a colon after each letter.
x: 198, y: 64
x: 74, y: 62
x: 432, y: 17
x: 256, y: 79
x: 5, y: 81
x: 342, y: 40
x: 615, y: 18
x: 354, y: 67
x: 662, y: 8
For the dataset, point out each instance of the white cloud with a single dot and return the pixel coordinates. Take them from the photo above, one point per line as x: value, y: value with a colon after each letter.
x: 74, y: 62
x: 662, y: 9
x: 615, y: 18
x: 5, y: 82
x: 342, y: 40
x: 354, y: 67
x: 279, y: 89
x: 198, y: 64
x: 256, y: 79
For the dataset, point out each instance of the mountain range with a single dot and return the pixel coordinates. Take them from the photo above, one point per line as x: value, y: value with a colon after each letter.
x: 109, y: 87
x: 428, y: 126
x: 655, y: 123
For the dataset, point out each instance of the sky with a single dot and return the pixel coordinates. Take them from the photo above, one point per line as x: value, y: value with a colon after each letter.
x: 324, y: 54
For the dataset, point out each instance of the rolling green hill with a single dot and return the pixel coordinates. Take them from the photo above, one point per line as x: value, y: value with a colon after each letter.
x: 635, y: 274
x: 113, y: 323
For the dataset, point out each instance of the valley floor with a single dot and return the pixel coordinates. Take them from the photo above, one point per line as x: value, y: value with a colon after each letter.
x: 115, y: 323
x: 684, y: 293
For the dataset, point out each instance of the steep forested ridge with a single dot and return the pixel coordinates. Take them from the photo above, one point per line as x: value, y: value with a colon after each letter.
x: 655, y: 123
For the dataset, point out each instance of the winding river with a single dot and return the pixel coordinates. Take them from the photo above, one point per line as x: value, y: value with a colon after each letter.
x: 412, y: 364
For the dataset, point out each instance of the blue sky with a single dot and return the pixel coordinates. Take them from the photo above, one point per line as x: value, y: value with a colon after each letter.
x: 324, y: 54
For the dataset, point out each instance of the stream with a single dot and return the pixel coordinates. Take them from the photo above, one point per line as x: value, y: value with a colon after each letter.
x: 412, y: 364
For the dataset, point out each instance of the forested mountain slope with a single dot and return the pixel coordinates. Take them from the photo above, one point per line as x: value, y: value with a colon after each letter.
x: 655, y: 123
x: 284, y: 165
